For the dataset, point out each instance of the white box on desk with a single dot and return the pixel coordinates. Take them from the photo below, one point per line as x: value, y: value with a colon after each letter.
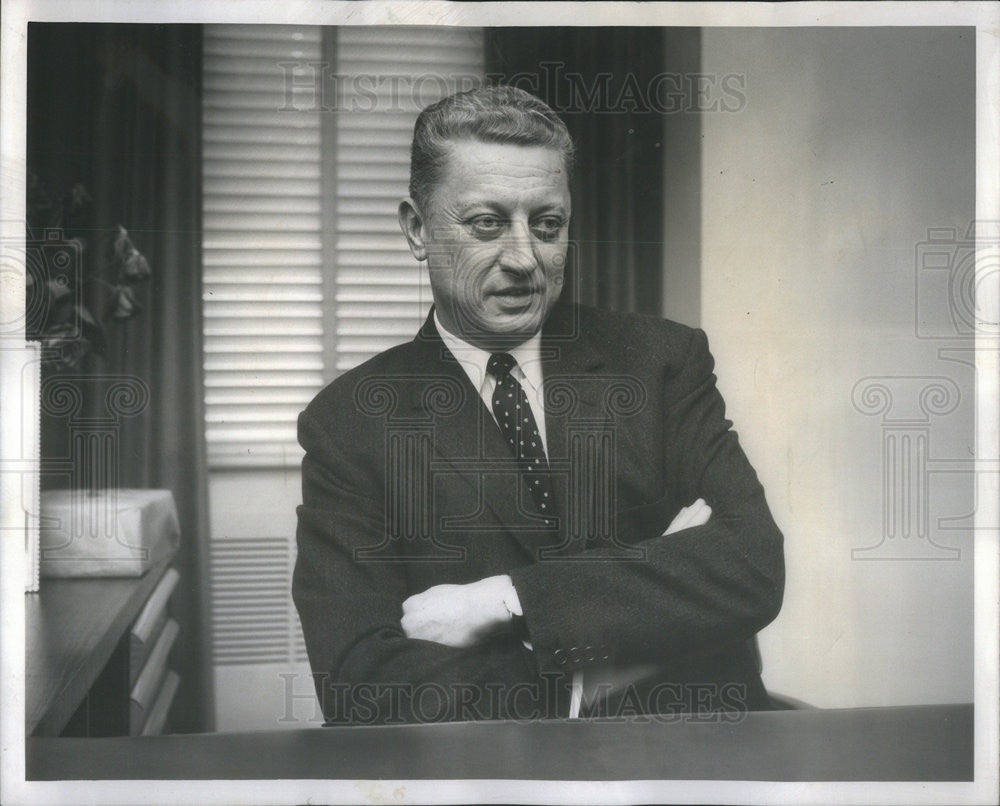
x: 106, y: 533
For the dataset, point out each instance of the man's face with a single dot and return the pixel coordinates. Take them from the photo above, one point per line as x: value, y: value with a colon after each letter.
x: 495, y: 238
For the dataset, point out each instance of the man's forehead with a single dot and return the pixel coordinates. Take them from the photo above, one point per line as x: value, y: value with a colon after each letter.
x: 519, y: 158
x: 504, y: 173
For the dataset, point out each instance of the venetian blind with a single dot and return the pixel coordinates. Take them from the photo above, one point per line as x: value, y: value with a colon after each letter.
x: 263, y: 258
x: 381, y: 295
x: 306, y: 272
x: 253, y: 620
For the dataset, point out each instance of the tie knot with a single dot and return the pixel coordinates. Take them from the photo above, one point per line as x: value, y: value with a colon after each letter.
x: 500, y: 365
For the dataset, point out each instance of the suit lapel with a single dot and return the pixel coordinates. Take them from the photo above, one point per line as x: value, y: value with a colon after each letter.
x: 467, y: 442
x: 569, y: 363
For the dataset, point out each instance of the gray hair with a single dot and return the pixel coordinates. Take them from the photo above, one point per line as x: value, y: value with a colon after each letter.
x: 497, y: 114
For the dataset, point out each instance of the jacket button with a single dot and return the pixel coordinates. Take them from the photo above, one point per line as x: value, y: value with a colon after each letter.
x: 560, y: 657
x: 588, y: 654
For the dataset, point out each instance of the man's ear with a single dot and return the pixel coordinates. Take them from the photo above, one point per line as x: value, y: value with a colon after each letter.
x: 412, y: 224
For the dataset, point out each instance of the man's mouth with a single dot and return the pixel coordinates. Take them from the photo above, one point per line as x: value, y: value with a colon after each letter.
x: 516, y: 292
x: 515, y: 298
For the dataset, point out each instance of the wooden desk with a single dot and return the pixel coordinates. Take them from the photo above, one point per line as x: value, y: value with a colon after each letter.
x: 72, y: 628
x: 921, y: 743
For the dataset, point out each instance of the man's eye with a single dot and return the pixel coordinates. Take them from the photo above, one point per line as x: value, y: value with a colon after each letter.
x: 547, y: 228
x: 486, y: 226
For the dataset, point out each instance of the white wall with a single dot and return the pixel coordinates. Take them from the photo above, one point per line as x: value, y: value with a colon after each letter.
x: 815, y: 197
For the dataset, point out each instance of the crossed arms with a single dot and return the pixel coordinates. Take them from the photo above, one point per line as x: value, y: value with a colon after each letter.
x: 704, y: 583
x: 464, y: 615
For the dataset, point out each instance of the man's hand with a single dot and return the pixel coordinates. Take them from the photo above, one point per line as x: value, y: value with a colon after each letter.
x: 460, y: 615
x: 696, y: 514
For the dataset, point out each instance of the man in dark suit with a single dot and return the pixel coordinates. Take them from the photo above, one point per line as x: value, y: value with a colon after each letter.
x: 533, y: 507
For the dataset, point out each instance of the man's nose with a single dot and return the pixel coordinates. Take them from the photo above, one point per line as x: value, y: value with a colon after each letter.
x: 517, y: 251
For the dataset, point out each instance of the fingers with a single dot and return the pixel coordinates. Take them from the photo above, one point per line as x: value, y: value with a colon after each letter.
x: 682, y: 518
x: 699, y: 513
x: 415, y: 615
x: 440, y: 614
x: 695, y: 514
x: 425, y: 626
x: 457, y: 615
x: 411, y: 621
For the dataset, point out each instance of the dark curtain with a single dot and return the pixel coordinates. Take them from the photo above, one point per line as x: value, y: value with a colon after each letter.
x: 599, y: 81
x: 117, y: 108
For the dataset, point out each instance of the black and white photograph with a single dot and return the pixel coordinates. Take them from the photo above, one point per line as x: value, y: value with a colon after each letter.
x: 500, y: 402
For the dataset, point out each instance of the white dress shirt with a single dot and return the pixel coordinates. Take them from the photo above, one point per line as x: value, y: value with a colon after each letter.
x: 528, y: 371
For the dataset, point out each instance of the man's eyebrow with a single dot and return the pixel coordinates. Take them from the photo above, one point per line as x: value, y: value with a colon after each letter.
x: 465, y: 207
x: 551, y: 208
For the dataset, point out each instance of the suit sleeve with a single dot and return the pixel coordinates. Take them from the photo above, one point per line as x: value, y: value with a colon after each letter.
x: 364, y: 667
x: 695, y: 590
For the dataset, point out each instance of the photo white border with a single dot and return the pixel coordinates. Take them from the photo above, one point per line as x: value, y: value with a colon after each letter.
x: 984, y: 15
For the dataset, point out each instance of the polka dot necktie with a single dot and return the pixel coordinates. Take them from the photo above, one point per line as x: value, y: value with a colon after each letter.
x: 518, y: 426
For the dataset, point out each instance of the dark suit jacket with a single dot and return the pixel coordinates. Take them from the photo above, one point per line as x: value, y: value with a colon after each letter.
x: 407, y: 484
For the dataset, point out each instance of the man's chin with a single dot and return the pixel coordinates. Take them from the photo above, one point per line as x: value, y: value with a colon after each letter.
x: 505, y: 331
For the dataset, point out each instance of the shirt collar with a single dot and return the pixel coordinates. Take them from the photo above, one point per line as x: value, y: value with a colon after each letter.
x: 474, y: 359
